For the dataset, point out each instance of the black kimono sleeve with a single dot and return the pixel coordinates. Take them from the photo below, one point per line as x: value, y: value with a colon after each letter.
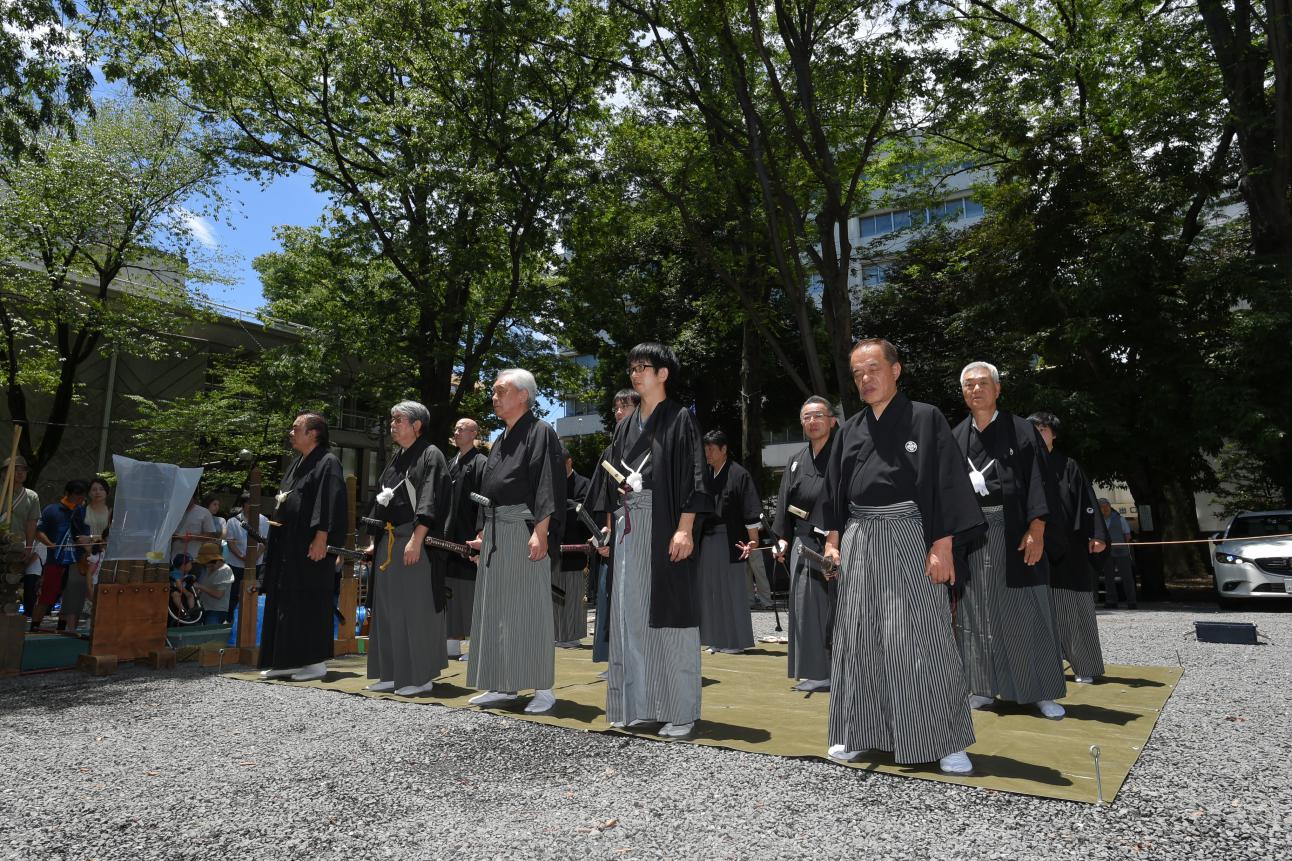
x: 546, y: 478
x: 781, y: 527
x: 330, y: 512
x: 949, y: 507
x: 430, y: 477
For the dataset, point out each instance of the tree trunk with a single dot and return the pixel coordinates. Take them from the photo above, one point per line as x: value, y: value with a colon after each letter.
x: 751, y: 405
x: 1175, y: 518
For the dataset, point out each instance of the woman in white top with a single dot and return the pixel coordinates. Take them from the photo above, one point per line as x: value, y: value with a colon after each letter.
x: 98, y: 514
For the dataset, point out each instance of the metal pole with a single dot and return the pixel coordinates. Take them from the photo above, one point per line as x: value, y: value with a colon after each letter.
x: 1099, y: 781
x: 107, y: 410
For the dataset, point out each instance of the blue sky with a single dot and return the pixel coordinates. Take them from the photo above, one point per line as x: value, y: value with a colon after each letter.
x: 246, y: 230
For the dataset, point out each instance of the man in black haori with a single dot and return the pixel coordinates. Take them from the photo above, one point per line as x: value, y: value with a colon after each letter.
x: 728, y: 533
x: 1005, y: 622
x: 300, y: 575
x: 465, y: 471
x: 799, y: 524
x: 1072, y: 579
x: 569, y: 612
x: 599, y: 505
x: 654, y: 674
x: 406, y: 643
x: 897, y: 497
x: 511, y: 627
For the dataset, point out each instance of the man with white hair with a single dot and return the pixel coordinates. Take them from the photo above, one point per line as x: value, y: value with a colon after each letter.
x: 519, y: 540
x: 1005, y: 624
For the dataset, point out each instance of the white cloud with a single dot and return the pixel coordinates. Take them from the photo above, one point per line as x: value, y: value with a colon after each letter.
x: 202, y: 229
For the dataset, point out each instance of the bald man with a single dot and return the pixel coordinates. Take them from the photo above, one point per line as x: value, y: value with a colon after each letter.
x: 464, y: 472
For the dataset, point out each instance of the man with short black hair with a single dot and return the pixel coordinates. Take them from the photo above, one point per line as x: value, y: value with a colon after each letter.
x: 799, y: 524
x: 65, y: 534
x: 897, y: 499
x: 312, y: 513
x: 654, y: 675
x: 569, y: 613
x: 728, y: 533
x: 1072, y: 582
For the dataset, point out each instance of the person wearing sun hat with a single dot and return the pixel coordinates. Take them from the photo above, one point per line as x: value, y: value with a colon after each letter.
x: 214, y: 583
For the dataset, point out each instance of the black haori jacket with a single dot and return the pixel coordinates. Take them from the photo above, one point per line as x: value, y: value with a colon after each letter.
x: 1028, y: 490
x: 677, y: 487
x: 942, y: 490
x: 1080, y: 520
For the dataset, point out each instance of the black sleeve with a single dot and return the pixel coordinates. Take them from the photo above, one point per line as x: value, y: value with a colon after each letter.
x: 433, y: 491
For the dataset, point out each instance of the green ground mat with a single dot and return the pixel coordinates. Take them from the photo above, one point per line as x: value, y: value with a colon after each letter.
x: 748, y: 705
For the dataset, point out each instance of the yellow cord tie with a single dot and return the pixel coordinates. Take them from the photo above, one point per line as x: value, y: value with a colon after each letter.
x: 390, y: 546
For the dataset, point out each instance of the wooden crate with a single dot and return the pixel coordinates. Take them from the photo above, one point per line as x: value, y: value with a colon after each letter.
x: 129, y: 620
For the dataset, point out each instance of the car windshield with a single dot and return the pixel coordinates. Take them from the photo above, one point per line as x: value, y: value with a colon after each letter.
x: 1256, y: 525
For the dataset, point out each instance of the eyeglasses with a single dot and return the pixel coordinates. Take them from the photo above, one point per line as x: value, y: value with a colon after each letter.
x: 814, y: 417
x: 639, y: 367
x: 970, y: 385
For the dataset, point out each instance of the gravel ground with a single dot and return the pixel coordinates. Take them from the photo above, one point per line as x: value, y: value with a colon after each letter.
x: 186, y: 764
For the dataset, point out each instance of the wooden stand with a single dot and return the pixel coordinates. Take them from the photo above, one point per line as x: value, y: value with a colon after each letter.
x: 348, y: 601
x: 129, y: 624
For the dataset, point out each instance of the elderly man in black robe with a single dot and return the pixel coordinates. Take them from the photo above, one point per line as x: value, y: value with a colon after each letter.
x: 465, y: 471
x: 654, y: 674
x: 520, y: 543
x: 1005, y: 623
x: 728, y: 533
x: 1072, y: 581
x: 406, y: 645
x: 300, y: 574
x: 799, y: 524
x: 896, y: 501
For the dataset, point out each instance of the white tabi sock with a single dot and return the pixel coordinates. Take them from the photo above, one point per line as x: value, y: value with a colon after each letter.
x: 542, y: 702
x: 837, y: 751
x: 676, y: 730
x: 1051, y: 709
x: 414, y: 690
x: 310, y: 673
x: 977, y: 702
x: 454, y: 648
x: 956, y: 763
x: 380, y: 687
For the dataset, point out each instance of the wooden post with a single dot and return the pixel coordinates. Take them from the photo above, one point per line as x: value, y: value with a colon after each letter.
x: 6, y: 496
x: 348, y: 601
x: 249, y: 601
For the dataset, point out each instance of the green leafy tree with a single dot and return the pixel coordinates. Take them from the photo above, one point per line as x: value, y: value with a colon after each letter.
x: 45, y: 78
x: 97, y: 248
x: 450, y: 136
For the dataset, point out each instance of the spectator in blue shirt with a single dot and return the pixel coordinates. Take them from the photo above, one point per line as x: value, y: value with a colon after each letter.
x: 62, y: 529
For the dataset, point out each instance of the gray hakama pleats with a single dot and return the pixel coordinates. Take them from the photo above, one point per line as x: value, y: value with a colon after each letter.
x: 460, y: 603
x: 809, y: 619
x: 1074, y: 614
x: 406, y: 641
x: 569, y: 620
x: 1007, y: 636
x: 896, y: 680
x: 654, y: 673
x: 725, y: 622
x: 511, y: 630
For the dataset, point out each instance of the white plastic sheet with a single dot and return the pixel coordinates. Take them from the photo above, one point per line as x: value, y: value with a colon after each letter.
x: 150, y: 500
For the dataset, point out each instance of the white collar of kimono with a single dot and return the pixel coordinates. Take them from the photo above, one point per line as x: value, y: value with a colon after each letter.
x: 719, y: 470
x: 994, y: 413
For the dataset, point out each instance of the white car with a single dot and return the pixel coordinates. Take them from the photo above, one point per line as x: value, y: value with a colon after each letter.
x: 1250, y: 561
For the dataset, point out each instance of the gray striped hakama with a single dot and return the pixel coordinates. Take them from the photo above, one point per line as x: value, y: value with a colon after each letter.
x: 1074, y: 615
x: 896, y: 680
x: 460, y: 603
x: 569, y: 620
x: 511, y: 629
x: 725, y: 622
x: 654, y: 673
x: 406, y: 641
x: 1007, y: 635
x: 809, y: 619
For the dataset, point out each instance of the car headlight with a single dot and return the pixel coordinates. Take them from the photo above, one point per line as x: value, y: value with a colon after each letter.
x: 1229, y: 558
